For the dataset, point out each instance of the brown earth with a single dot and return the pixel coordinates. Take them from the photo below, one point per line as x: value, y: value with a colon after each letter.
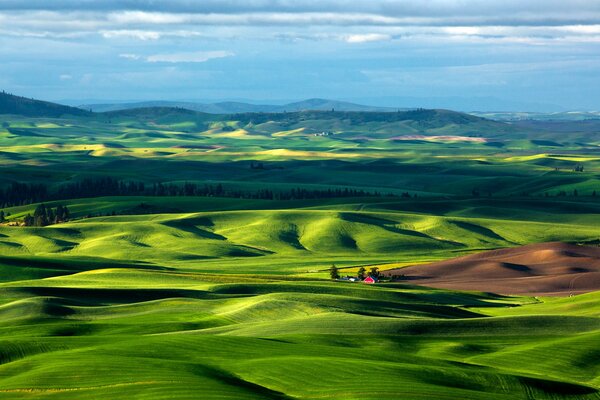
x: 545, y: 269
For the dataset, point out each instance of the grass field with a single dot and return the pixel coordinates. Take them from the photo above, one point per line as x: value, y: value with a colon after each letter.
x: 230, y: 298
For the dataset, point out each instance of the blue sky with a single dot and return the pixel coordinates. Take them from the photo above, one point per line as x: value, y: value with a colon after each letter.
x: 461, y: 54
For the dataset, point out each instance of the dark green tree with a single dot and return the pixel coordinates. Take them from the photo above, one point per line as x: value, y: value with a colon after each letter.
x: 362, y: 273
x: 374, y: 272
x: 28, y: 220
x: 40, y: 215
x: 58, y: 217
x: 334, y: 272
x: 62, y: 214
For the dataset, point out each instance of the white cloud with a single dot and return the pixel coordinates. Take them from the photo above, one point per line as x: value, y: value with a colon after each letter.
x: 129, y: 56
x: 368, y: 37
x: 65, y: 77
x: 322, y: 21
x: 146, y: 34
x: 132, y: 34
x: 189, y: 57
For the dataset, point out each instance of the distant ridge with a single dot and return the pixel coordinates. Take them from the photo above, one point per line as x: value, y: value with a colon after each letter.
x: 315, y: 114
x: 233, y: 107
x: 17, y: 105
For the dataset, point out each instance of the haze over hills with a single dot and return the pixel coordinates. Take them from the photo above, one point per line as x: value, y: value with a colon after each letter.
x: 310, y: 116
x: 232, y: 107
x: 540, y: 116
x: 18, y: 105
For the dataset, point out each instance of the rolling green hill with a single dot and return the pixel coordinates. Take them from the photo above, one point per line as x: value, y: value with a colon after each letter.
x: 195, y: 259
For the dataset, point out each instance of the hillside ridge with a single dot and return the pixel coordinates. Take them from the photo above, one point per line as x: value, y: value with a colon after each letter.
x: 18, y: 105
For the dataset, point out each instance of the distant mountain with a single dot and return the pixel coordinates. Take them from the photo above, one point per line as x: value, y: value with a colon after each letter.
x: 327, y: 105
x: 465, y: 104
x: 538, y: 116
x: 16, y: 105
x: 233, y: 107
x: 350, y: 125
x: 433, y: 117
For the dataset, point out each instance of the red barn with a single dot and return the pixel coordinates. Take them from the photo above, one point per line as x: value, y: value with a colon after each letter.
x: 370, y: 279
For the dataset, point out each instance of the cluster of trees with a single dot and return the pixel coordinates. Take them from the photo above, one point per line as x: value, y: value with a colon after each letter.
x: 361, y: 274
x: 560, y: 193
x: 574, y: 193
x: 257, y: 165
x: 301, y: 193
x: 44, y: 215
x: 22, y: 193
x: 17, y: 194
x: 108, y: 186
x: 111, y: 187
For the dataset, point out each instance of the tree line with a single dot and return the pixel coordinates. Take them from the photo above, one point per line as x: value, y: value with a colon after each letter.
x: 44, y: 215
x: 17, y: 194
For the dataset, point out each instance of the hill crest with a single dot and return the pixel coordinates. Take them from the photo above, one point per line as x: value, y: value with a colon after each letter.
x: 17, y: 105
x: 236, y: 107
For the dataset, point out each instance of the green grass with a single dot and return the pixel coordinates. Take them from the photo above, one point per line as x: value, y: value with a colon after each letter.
x: 233, y: 304
x: 193, y: 334
x: 221, y: 298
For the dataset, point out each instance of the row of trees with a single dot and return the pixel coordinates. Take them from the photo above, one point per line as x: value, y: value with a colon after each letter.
x: 17, y: 194
x: 560, y: 193
x: 361, y: 274
x: 44, y: 215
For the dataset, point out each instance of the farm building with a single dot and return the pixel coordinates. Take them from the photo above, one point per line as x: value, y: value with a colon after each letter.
x: 370, y: 279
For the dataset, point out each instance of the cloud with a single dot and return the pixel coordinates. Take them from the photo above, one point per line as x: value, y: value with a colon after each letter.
x: 130, y: 56
x: 134, y: 46
x: 369, y: 37
x: 406, y: 8
x: 65, y: 77
x: 147, y: 35
x: 189, y: 57
x: 150, y: 20
x: 135, y: 34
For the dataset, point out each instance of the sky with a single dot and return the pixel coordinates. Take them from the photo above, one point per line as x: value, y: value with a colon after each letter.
x: 536, y: 55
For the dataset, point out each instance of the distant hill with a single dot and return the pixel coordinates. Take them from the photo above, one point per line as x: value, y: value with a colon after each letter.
x: 539, y: 116
x: 233, y: 107
x: 326, y: 105
x: 351, y: 124
x: 16, y: 105
x: 433, y: 117
x: 314, y: 116
x: 150, y: 112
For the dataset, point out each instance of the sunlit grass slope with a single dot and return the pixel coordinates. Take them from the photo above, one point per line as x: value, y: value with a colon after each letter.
x: 169, y: 335
x: 226, y: 299
x: 300, y: 240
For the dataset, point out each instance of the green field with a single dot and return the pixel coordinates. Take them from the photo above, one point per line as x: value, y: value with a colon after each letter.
x: 207, y: 297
